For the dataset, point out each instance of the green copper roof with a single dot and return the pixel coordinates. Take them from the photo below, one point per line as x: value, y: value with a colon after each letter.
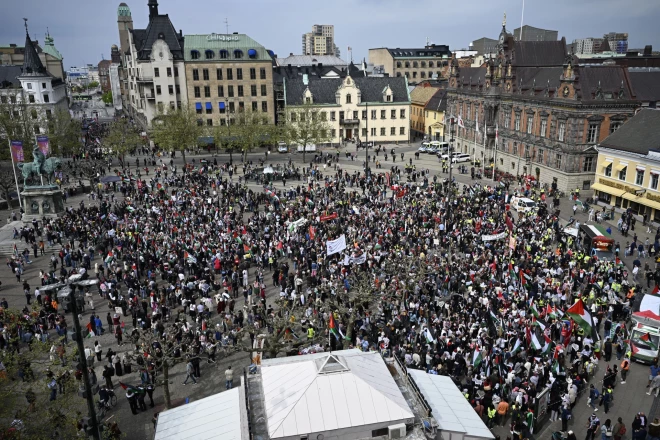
x: 228, y: 42
x: 49, y: 48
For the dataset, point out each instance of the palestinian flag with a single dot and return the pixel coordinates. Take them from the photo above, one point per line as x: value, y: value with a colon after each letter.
x: 524, y: 278
x: 549, y: 312
x: 538, y: 323
x: 512, y: 273
x: 535, y: 342
x: 476, y: 358
x: 557, y: 312
x: 516, y: 346
x: 129, y: 387
x: 493, y: 316
x: 555, y: 368
x: 334, y: 328
x: 647, y: 338
x: 581, y: 316
x: 613, y: 331
x: 534, y: 311
x: 548, y: 344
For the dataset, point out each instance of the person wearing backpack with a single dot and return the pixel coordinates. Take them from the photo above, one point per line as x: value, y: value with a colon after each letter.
x: 619, y: 429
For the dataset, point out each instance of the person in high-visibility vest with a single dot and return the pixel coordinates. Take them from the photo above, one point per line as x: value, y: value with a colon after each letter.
x: 310, y: 333
x: 625, y: 366
x: 491, y: 416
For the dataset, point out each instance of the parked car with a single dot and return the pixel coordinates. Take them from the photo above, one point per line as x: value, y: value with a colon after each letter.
x: 462, y: 157
x: 523, y: 204
x: 282, y: 147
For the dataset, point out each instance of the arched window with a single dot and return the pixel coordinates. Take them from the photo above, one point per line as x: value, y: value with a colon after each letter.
x: 349, y: 98
x: 423, y: 64
x: 209, y: 54
x: 252, y: 53
x: 430, y: 63
x: 407, y: 65
x: 415, y: 64
x: 194, y: 54
x: 398, y: 64
x: 398, y: 74
x: 423, y: 75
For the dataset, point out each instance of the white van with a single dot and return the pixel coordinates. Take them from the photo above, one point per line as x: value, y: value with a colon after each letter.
x: 523, y: 204
x: 282, y: 147
x: 462, y: 157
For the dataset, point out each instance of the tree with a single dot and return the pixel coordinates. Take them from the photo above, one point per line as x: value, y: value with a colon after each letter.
x: 307, y: 125
x: 252, y: 128
x: 121, y: 138
x: 7, y: 182
x: 176, y: 130
x: 93, y: 85
x: 225, y: 139
x: 64, y: 134
x: 107, y: 97
x: 17, y: 122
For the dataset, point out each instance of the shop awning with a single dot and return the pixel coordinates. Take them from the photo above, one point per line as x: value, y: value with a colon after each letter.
x: 641, y: 200
x: 209, y: 106
x: 608, y: 189
x: 198, y: 105
x: 221, y: 105
x: 620, y: 167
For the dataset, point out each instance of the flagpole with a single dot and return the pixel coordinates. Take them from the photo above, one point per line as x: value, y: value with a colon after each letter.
x: 495, y: 154
x: 36, y: 141
x: 11, y: 153
x: 483, y: 155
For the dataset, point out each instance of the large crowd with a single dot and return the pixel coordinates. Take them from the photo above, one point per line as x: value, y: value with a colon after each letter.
x: 457, y: 284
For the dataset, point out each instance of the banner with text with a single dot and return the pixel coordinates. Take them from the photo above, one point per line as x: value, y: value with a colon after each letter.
x: 499, y: 236
x: 17, y: 151
x: 337, y: 245
x: 44, y: 145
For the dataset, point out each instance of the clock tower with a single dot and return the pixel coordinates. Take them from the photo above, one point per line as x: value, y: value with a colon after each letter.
x: 502, y: 43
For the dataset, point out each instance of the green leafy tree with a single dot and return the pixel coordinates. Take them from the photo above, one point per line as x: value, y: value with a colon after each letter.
x: 121, y: 138
x: 177, y: 130
x: 17, y: 122
x: 225, y: 139
x: 93, y: 85
x: 307, y: 125
x: 64, y: 134
x: 107, y: 97
x: 253, y: 129
x: 7, y: 183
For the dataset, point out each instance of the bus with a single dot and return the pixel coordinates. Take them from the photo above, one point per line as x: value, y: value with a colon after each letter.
x: 598, y: 242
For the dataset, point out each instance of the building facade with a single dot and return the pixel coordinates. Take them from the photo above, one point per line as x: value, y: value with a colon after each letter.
x: 373, y: 109
x: 548, y: 112
x: 434, y: 116
x: 228, y: 74
x: 321, y: 41
x: 155, y: 69
x: 419, y: 98
x: 484, y: 46
x: 531, y: 33
x: 104, y: 74
x: 50, y: 57
x: 429, y: 62
x: 628, y: 169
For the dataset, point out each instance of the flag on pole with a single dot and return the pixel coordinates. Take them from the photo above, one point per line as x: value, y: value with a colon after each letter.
x: 334, y: 329
x: 43, y: 144
x: 17, y: 151
x: 460, y: 121
x: 538, y: 323
x: 516, y: 346
x: 534, y: 311
x: 535, y: 342
x: 512, y: 273
x: 129, y: 387
x: 580, y: 315
x: 476, y: 358
x: 476, y: 120
x: 429, y: 337
x: 548, y: 344
x: 555, y: 368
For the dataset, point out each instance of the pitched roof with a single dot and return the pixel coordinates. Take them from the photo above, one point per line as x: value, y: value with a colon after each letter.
x: 8, y: 76
x: 309, y: 60
x: 32, y: 65
x: 638, y: 135
x: 159, y: 26
x: 646, y: 84
x: 421, y: 95
x: 539, y: 77
x: 324, y: 89
x: 609, y: 79
x: 438, y: 102
x: 325, y: 392
x: 472, y: 75
x: 539, y: 53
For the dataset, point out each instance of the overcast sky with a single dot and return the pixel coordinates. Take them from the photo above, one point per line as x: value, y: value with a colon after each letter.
x: 85, y: 29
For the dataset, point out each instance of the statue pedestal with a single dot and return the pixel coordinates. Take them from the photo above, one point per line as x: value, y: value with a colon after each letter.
x: 42, y: 201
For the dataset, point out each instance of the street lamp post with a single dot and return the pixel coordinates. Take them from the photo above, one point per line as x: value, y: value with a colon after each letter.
x: 366, y: 147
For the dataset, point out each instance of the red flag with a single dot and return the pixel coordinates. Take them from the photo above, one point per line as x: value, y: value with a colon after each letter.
x: 312, y: 232
x: 509, y: 223
x: 655, y: 290
x: 523, y: 280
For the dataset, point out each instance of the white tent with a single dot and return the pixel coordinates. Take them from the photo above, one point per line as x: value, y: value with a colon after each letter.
x: 343, y: 394
x: 455, y: 416
x: 220, y: 416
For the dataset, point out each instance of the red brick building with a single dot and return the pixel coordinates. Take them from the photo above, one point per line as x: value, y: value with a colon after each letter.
x: 104, y: 75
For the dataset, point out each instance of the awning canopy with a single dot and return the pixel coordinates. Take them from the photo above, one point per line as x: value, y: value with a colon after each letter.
x: 209, y: 106
x: 198, y: 105
x: 607, y: 189
x: 641, y: 200
x: 221, y: 105
x: 620, y: 167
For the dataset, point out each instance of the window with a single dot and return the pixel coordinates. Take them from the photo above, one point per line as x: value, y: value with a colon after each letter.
x: 241, y: 106
x: 230, y: 74
x: 639, y: 178
x: 264, y: 107
x: 414, y: 74
x: 3, y: 99
x: 262, y: 73
x: 355, y: 114
x: 393, y: 131
x: 382, y: 114
x: 364, y: 132
x: 221, y: 91
x: 333, y: 133
x: 34, y: 114
x: 195, y: 75
x: 224, y: 54
x: 176, y: 72
x: 402, y: 131
x: 29, y: 86
x: 240, y: 90
x: 588, y: 164
x: 654, y: 181
x: 209, y: 108
x: 516, y: 125
x: 255, y: 105
x: 507, y: 119
x: 407, y: 64
x: 230, y: 91
x: 253, y: 73
x: 218, y: 74
x: 530, y: 124
x: 592, y: 133
x: 373, y: 131
x: 349, y: 98
x: 562, y: 131
x: 209, y: 122
x: 341, y: 116
x: 614, y: 126
x: 264, y: 91
x: 239, y: 73
x: 540, y: 155
x: 324, y: 116
x: 49, y: 114
x: 31, y: 98
x: 430, y: 63
x: 544, y: 127
x: 253, y: 90
x: 43, y: 85
x: 178, y: 89
x: 169, y: 72
x: 158, y: 90
x: 373, y: 115
x: 341, y: 133
x: 393, y: 114
x: 558, y: 161
x: 46, y: 98
x: 622, y: 173
x: 364, y: 115
x: 608, y: 171
x: 172, y: 107
x: 382, y: 131
x: 469, y: 111
x: 156, y: 72
x: 402, y: 113
x: 388, y: 98
x: 333, y: 116
x: 398, y: 64
x: 170, y: 89
x: 200, y: 122
x: 293, y: 117
x: 207, y: 91
x: 205, y: 74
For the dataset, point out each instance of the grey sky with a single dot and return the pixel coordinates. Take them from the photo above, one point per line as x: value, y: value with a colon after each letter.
x: 83, y: 30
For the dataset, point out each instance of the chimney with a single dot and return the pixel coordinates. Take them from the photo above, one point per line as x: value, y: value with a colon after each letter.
x: 235, y: 33
x: 290, y: 54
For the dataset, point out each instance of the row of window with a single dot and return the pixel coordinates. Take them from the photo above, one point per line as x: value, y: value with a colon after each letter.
x: 241, y: 107
x: 15, y: 114
x: 373, y: 132
x: 593, y: 131
x: 222, y: 54
x: 438, y: 74
x: 374, y: 114
x: 240, y: 91
x: 639, y: 176
x: 170, y: 89
x: 133, y: 71
x: 422, y: 64
x: 31, y: 99
x: 229, y: 74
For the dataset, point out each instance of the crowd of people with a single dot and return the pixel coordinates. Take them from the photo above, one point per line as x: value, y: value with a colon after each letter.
x: 443, y: 276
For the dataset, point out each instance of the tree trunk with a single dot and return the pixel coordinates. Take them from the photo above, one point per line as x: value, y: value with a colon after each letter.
x: 349, y: 331
x: 304, y: 148
x: 183, y: 154
x: 166, y: 384
x: 231, y: 157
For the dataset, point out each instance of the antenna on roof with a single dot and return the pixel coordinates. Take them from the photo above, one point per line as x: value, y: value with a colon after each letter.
x: 227, y: 25
x: 522, y: 15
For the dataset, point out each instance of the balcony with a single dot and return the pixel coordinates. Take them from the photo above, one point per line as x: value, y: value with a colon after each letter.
x: 349, y: 122
x: 143, y: 78
x: 147, y: 96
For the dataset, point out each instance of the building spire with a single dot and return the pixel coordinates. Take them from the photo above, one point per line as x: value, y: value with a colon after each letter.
x: 153, y: 8
x: 31, y: 63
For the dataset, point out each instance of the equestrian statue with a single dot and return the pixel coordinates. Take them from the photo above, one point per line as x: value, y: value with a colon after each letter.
x: 40, y: 166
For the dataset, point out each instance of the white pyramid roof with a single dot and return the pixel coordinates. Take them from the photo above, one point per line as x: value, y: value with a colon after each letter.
x: 328, y: 391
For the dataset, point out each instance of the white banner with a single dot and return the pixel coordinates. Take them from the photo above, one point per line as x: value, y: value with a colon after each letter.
x: 337, y: 245
x: 359, y: 260
x: 499, y: 236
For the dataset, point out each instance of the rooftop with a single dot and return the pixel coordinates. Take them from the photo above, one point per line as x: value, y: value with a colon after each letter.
x: 539, y: 53
x: 310, y: 60
x: 160, y: 27
x: 9, y: 77
x: 639, y: 134
x: 324, y: 89
x: 227, y: 42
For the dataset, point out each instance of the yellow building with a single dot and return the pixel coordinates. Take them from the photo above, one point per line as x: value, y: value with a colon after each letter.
x: 434, y: 116
x: 419, y: 97
x: 628, y: 167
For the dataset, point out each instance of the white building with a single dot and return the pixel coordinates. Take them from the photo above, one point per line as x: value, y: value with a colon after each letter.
x: 115, y: 86
x: 154, y: 63
x: 373, y: 109
x: 321, y: 41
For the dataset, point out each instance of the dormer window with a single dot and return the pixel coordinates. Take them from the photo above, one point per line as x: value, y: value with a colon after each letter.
x: 388, y: 98
x: 238, y: 54
x: 194, y: 54
x: 308, y: 100
x: 224, y: 54
x: 209, y: 54
x: 349, y: 98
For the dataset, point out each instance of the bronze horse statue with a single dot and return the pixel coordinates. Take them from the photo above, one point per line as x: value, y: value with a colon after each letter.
x: 40, y: 166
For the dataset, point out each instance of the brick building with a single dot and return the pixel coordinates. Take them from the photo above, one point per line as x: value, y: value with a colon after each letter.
x: 429, y: 62
x: 104, y: 74
x: 548, y: 111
